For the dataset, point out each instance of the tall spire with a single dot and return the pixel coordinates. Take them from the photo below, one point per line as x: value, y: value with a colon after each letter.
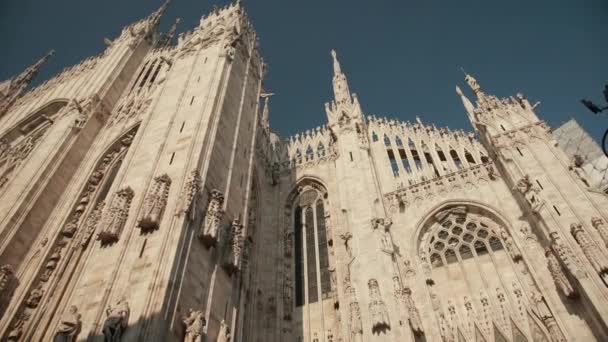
x: 467, y: 105
x: 14, y: 87
x: 341, y: 91
x: 26, y: 76
x: 168, y: 37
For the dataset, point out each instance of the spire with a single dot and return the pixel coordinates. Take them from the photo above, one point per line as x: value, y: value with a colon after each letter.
x: 472, y: 83
x: 168, y: 37
x: 467, y: 105
x: 15, y: 86
x: 341, y: 92
x: 26, y: 76
x: 155, y: 17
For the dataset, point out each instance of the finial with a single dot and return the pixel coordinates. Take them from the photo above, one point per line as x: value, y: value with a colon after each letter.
x: 337, y: 68
x: 458, y: 91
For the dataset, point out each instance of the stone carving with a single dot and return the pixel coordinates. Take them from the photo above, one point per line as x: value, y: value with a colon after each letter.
x: 90, y: 224
x: 412, y: 311
x: 7, y: 277
x: 154, y: 204
x: 530, y: 193
x: 115, y: 216
x: 213, y: 217
x: 13, y: 156
x: 224, y: 334
x: 195, y: 324
x: 560, y: 278
x: 17, y: 327
x: 34, y: 297
x: 601, y: 228
x: 567, y: 257
x: 346, y: 237
x: 288, y: 249
x: 287, y: 298
x: 377, y: 308
x: 234, y: 246
x: 190, y: 195
x: 51, y: 264
x: 554, y: 330
x: 69, y: 326
x: 591, y: 250
x: 356, y: 325
x: 117, y: 320
x: 381, y: 222
x: 509, y: 245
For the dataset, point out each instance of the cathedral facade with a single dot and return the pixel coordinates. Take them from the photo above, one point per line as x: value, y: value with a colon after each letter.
x: 144, y: 197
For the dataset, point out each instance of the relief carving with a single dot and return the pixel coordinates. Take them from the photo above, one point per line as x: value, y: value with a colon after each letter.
x: 117, y: 320
x: 34, y: 297
x: 154, y: 204
x: 601, y: 228
x: 224, y: 334
x: 530, y: 192
x: 13, y: 156
x: 377, y: 308
x: 234, y: 246
x: 213, y: 217
x: 356, y: 325
x: 7, y: 277
x: 69, y: 326
x: 595, y: 256
x: 566, y: 256
x: 559, y: 277
x: 195, y: 325
x: 190, y: 196
x: 412, y: 311
x: 115, y: 216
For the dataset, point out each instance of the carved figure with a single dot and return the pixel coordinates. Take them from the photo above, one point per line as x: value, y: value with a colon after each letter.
x: 190, y: 195
x: 209, y: 230
x: 224, y: 334
x: 601, y: 228
x: 155, y: 203
x: 6, y: 278
x: 117, y: 321
x: 195, y: 323
x: 510, y: 246
x: 590, y: 249
x: 114, y: 218
x: 234, y: 246
x: 413, y: 315
x: 35, y: 296
x: 562, y: 281
x: 564, y: 253
x: 356, y: 325
x: 69, y: 326
x: 377, y: 308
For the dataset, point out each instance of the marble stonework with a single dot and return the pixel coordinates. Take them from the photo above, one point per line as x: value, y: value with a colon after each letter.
x: 144, y: 197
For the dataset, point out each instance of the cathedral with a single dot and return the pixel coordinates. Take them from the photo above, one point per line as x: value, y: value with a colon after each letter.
x: 144, y: 197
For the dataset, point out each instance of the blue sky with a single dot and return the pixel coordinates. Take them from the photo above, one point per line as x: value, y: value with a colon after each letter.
x: 401, y: 57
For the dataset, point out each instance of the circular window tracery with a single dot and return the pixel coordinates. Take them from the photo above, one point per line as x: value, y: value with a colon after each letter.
x: 460, y: 238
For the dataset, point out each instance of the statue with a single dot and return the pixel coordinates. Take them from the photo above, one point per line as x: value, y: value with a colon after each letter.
x: 69, y: 327
x: 117, y: 321
x: 195, y: 323
x: 224, y: 334
x: 154, y: 204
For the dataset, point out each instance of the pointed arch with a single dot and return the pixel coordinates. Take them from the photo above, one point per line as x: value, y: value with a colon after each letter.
x: 310, y: 154
x: 387, y: 141
x: 320, y: 150
x: 398, y: 141
x: 374, y: 136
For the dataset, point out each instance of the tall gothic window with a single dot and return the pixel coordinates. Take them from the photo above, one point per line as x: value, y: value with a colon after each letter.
x: 312, y: 277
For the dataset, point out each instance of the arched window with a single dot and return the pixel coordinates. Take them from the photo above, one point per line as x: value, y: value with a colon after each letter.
x: 469, y: 157
x: 310, y: 155
x: 466, y: 250
x: 320, y: 150
x: 374, y: 137
x: 387, y: 141
x: 398, y: 141
x: 311, y: 247
x: 456, y: 158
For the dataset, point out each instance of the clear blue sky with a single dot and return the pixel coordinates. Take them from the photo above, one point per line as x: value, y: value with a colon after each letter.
x: 401, y: 57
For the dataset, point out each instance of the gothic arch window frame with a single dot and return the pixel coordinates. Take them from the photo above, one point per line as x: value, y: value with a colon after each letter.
x: 299, y: 250
x: 424, y: 232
